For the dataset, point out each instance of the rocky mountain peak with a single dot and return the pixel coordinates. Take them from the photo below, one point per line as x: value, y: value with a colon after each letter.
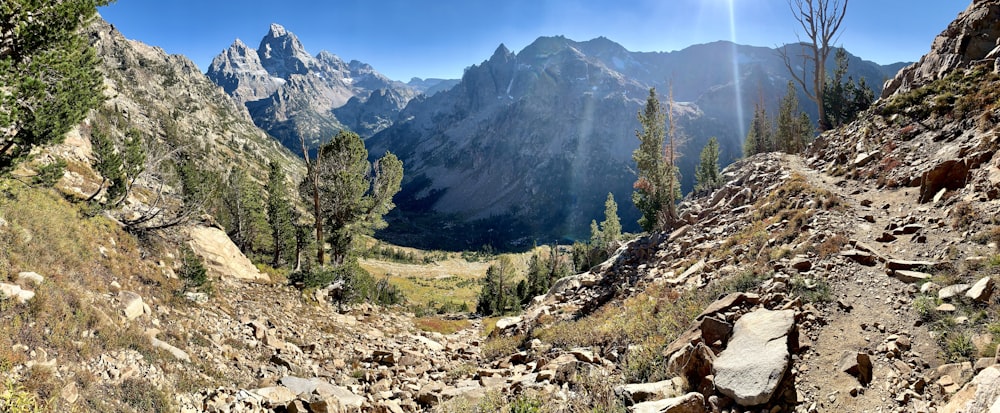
x: 277, y: 30
x: 972, y: 37
x: 502, y: 54
x: 282, y: 54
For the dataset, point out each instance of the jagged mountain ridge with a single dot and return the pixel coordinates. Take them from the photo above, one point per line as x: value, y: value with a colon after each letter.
x: 431, y: 86
x: 527, y: 145
x: 290, y: 93
x: 169, y: 100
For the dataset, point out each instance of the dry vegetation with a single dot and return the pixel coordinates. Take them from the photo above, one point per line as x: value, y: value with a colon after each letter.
x: 70, y: 318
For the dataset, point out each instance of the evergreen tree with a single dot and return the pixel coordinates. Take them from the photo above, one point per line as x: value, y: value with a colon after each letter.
x: 611, y: 227
x: 706, y: 174
x: 133, y: 160
x: 845, y: 98
x: 543, y: 270
x: 279, y: 215
x: 243, y: 210
x: 107, y: 163
x: 760, y: 138
x: 354, y: 194
x: 497, y: 296
x: 48, y: 72
x: 647, y: 196
x: 668, y: 216
x: 793, y: 131
x: 658, y: 185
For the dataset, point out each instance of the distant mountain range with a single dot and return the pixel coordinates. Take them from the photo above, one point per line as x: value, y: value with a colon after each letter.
x: 292, y: 94
x: 525, y: 147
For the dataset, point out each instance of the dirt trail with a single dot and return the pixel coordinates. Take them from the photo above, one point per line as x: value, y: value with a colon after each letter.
x: 869, y: 305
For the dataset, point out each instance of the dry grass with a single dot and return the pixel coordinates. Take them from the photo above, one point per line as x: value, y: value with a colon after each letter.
x: 69, y: 316
x: 646, y: 322
x: 441, y: 325
x: 453, y: 280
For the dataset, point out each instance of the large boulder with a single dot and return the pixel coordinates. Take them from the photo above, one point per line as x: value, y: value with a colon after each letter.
x: 952, y: 174
x: 758, y: 356
x: 982, y: 394
x: 223, y: 259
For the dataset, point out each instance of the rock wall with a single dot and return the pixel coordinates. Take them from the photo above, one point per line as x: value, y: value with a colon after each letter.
x: 972, y: 37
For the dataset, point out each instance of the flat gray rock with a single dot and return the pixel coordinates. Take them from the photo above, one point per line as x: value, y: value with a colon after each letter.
x: 753, y: 365
x: 688, y: 403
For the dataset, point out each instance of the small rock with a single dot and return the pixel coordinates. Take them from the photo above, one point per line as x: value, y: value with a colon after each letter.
x: 911, y: 276
x: 950, y: 291
x: 688, y: 403
x: 30, y: 277
x: 982, y: 290
x: 132, y: 305
x: 857, y: 364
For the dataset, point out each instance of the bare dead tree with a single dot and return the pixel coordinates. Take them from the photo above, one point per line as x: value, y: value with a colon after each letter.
x: 160, y: 213
x: 820, y: 20
x: 671, y: 153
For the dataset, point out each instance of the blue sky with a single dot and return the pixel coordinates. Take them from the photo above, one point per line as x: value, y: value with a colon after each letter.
x: 439, y: 38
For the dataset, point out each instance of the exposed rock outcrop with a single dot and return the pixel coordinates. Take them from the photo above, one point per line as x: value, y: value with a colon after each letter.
x: 223, y: 259
x: 972, y: 37
x: 291, y: 94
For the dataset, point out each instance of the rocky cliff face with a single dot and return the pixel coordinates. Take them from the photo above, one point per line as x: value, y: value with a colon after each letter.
x: 291, y: 94
x: 170, y: 101
x: 527, y: 146
x: 970, y: 39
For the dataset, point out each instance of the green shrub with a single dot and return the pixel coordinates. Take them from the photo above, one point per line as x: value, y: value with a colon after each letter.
x: 357, y: 284
x: 818, y: 292
x: 50, y: 173
x: 959, y: 348
x: 924, y: 306
x: 525, y: 404
x: 15, y: 399
x: 143, y: 396
x: 192, y: 271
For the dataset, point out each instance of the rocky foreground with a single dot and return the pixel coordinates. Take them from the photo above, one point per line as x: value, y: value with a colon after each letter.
x: 831, y: 328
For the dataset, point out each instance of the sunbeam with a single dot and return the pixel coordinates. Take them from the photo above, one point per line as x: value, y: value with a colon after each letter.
x: 736, y: 69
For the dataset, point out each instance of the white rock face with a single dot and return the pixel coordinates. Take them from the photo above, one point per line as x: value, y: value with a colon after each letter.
x: 222, y: 258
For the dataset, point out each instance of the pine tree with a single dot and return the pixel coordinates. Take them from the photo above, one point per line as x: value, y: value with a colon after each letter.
x: 133, y: 160
x: 107, y: 163
x: 845, y: 99
x: 707, y: 177
x: 48, y: 72
x: 243, y: 210
x: 611, y: 227
x: 760, y: 138
x: 647, y: 196
x: 657, y: 188
x: 354, y: 194
x: 279, y: 214
x: 793, y: 130
x: 671, y: 153
x: 497, y: 295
